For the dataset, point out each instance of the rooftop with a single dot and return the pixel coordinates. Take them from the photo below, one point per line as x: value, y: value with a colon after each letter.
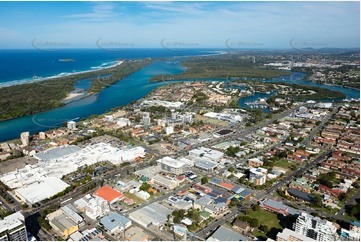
x: 108, y: 193
x: 114, y: 220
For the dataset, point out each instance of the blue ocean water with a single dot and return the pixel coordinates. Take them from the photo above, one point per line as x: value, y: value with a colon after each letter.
x: 18, y: 66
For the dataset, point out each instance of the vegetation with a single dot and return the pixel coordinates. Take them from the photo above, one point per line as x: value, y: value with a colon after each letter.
x: 232, y: 151
x: 221, y: 66
x: 204, y: 180
x: 30, y: 98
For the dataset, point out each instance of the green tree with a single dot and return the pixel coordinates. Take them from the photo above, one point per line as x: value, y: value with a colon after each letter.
x: 204, y: 180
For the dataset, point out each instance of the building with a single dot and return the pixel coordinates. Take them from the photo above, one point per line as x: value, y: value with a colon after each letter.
x: 93, y: 207
x: 225, y: 234
x: 40, y: 190
x: 25, y: 138
x: 277, y: 207
x: 71, y: 125
x: 62, y: 223
x: 205, y: 164
x: 115, y: 223
x: 210, y: 154
x: 108, y: 194
x: 169, y: 130
x: 145, y: 118
x: 153, y: 214
x: 290, y: 235
x: 242, y: 226
x: 12, y: 228
x: 164, y: 182
x: 258, y: 176
x: 315, y: 228
x: 171, y: 165
x: 136, y: 234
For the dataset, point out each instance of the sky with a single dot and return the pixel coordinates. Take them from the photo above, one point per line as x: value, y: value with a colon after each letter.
x: 248, y: 25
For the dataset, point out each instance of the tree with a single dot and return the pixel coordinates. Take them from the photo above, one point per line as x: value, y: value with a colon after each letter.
x: 204, y: 180
x: 144, y: 187
x: 318, y: 201
x: 231, y: 169
x: 253, y: 222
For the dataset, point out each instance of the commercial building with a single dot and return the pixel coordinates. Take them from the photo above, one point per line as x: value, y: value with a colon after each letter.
x: 213, y: 155
x: 205, y: 164
x: 36, y: 192
x: 12, y: 228
x: 115, y: 223
x: 172, y: 165
x: 108, y: 194
x: 164, y: 182
x: 315, y: 228
x: 63, y: 224
x: 258, y: 176
x: 225, y: 234
x: 290, y: 235
x: 153, y: 214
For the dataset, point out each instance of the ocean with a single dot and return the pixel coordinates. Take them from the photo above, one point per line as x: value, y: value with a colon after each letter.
x: 21, y: 66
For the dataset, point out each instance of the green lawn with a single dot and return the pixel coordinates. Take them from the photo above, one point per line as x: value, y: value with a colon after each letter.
x: 283, y: 163
x: 136, y: 199
x: 265, y: 218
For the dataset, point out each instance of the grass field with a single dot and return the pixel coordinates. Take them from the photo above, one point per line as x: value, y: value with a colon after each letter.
x: 136, y: 199
x: 283, y: 163
x: 265, y: 218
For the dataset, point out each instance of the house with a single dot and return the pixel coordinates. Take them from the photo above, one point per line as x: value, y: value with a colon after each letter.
x: 242, y: 226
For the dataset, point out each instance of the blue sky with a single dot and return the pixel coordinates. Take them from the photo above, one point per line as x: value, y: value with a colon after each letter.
x: 180, y: 24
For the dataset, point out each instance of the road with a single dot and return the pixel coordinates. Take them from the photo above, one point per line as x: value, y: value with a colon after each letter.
x: 291, y: 176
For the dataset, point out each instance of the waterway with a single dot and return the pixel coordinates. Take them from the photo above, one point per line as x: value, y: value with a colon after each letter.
x: 132, y: 88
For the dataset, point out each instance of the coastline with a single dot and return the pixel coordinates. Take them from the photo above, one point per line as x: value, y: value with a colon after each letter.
x: 35, y: 79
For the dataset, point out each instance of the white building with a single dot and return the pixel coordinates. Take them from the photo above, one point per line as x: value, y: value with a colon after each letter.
x: 315, y: 228
x: 122, y: 122
x: 258, y: 176
x: 172, y: 165
x: 213, y: 155
x: 169, y: 130
x: 71, y: 125
x: 25, y: 138
x: 12, y: 228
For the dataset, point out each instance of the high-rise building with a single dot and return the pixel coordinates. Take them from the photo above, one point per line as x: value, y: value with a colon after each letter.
x: 146, y: 118
x: 71, y: 125
x: 12, y: 228
x: 315, y: 228
x: 25, y: 138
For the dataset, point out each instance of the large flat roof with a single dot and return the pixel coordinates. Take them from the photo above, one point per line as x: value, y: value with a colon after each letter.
x: 114, y: 220
x: 226, y: 234
x: 41, y: 190
x: 57, y: 153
